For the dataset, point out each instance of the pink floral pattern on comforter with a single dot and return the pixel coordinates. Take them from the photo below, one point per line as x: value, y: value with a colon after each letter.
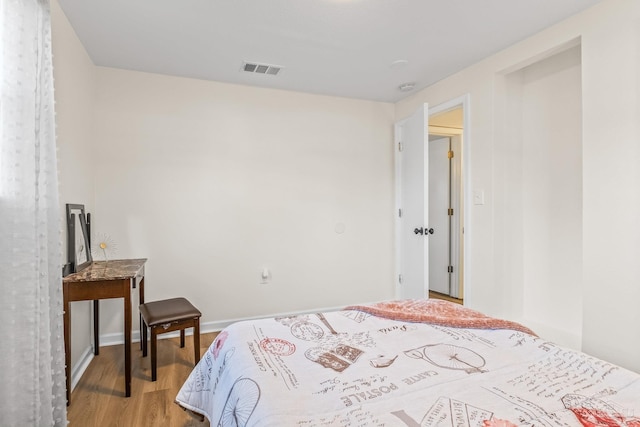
x: 438, y: 312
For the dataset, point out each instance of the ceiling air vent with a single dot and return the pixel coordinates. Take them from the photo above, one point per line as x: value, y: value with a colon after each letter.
x: 254, y: 67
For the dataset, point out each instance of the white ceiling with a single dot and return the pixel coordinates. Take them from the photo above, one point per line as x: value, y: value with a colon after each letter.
x: 333, y: 47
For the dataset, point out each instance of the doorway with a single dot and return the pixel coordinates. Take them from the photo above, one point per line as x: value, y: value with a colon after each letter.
x: 446, y: 208
x: 412, y: 225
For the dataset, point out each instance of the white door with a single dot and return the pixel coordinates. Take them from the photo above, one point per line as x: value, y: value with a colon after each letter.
x: 456, y: 219
x: 412, y: 200
x: 439, y: 203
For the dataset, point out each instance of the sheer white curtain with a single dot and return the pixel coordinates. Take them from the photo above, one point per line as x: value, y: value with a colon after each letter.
x: 32, y: 382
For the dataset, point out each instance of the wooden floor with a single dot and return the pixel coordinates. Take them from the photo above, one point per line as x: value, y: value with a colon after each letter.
x: 98, y: 399
x: 438, y: 295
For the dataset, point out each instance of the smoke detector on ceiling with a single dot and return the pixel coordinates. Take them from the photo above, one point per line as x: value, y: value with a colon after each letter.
x: 257, y: 68
x: 406, y: 87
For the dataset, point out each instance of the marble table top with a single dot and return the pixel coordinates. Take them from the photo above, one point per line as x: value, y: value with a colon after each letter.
x: 108, y: 270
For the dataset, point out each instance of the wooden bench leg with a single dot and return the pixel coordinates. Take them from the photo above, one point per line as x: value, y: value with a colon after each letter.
x: 143, y: 339
x: 196, y: 341
x: 154, y: 348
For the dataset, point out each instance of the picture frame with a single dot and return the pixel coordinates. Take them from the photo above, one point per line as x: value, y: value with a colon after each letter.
x: 78, y: 241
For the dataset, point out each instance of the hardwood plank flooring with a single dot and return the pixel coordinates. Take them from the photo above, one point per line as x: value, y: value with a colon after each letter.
x: 98, y: 399
x: 438, y: 295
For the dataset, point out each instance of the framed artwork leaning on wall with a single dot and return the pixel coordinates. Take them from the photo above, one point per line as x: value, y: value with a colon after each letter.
x: 78, y: 243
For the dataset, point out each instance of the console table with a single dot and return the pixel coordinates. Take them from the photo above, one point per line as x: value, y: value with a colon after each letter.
x: 103, y: 280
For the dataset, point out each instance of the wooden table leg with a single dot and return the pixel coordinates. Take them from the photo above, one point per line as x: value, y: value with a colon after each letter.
x: 143, y: 330
x: 127, y: 337
x: 67, y: 340
x: 96, y: 327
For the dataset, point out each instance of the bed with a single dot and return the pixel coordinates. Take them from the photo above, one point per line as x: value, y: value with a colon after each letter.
x: 403, y: 363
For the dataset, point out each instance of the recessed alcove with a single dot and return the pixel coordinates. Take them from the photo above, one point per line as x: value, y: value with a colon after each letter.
x: 538, y: 178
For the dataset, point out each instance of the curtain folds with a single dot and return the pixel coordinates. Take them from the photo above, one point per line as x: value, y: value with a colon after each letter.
x: 32, y: 382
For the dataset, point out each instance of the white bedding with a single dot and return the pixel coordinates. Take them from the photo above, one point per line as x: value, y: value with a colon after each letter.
x: 350, y: 368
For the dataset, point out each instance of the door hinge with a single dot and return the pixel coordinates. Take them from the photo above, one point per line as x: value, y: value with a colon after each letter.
x: 399, y: 213
x: 400, y: 278
x: 450, y: 211
x: 399, y: 146
x: 450, y: 269
x: 450, y: 154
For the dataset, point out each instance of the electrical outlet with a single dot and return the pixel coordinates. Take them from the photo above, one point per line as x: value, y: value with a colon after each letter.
x: 265, y: 276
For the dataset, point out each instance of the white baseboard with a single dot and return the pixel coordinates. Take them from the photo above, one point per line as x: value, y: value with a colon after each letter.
x: 205, y: 328
x: 81, y: 366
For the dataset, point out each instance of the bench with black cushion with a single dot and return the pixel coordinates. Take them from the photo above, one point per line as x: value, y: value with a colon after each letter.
x: 166, y: 316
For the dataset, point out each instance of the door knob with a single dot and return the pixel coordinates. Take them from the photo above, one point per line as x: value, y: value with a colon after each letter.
x: 425, y: 231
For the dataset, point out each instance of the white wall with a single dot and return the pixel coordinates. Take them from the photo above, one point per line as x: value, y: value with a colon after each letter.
x: 610, y: 42
x: 213, y: 182
x: 611, y: 167
x: 544, y: 195
x: 73, y: 84
x: 261, y: 178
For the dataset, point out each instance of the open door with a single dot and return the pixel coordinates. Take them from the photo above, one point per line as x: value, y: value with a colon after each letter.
x: 439, y: 217
x: 412, y: 201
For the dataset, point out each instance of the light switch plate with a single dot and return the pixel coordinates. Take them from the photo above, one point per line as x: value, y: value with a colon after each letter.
x: 478, y: 197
